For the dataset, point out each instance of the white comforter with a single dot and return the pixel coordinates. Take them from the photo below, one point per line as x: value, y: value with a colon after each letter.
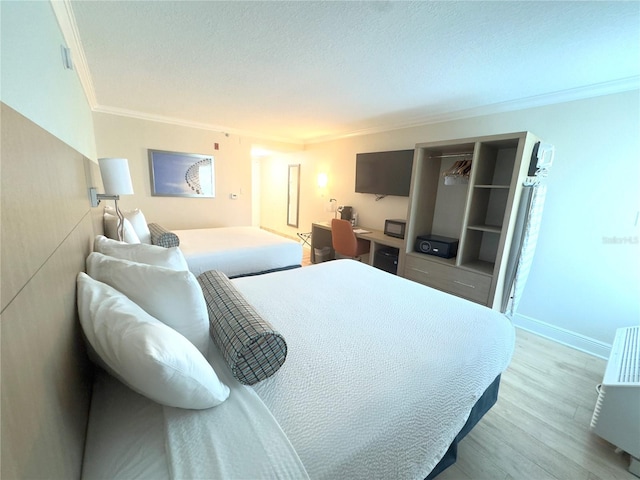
x: 237, y: 250
x: 381, y: 372
x: 238, y: 439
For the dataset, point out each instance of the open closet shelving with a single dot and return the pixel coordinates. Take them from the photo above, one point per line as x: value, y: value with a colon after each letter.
x: 479, y: 209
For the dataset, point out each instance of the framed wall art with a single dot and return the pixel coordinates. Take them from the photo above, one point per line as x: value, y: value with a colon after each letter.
x: 175, y: 174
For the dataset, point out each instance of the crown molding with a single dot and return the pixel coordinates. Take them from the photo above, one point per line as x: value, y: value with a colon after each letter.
x: 605, y: 88
x: 580, y: 93
x: 66, y: 19
x: 67, y: 22
x: 190, y: 124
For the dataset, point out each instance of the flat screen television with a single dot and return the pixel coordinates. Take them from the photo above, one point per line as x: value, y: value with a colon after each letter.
x: 384, y: 173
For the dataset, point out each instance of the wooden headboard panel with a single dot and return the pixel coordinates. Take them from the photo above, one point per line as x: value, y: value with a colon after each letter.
x: 47, y: 231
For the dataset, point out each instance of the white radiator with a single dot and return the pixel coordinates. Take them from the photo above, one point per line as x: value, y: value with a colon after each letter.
x: 616, y: 417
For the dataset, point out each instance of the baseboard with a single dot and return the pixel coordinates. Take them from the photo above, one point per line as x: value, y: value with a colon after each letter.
x: 565, y: 337
x: 282, y: 234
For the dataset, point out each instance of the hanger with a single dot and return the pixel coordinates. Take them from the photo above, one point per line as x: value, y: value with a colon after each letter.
x: 461, y: 167
x: 458, y: 173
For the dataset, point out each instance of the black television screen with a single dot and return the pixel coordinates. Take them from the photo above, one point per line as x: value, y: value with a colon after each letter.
x: 384, y: 173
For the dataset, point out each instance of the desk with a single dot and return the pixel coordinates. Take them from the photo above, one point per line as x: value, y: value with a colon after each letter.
x: 321, y: 237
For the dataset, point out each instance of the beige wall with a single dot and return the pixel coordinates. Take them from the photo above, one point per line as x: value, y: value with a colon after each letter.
x: 131, y: 138
x: 337, y: 161
x: 581, y: 287
x: 274, y: 174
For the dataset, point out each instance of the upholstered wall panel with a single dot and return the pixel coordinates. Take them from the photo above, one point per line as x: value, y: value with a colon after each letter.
x: 45, y: 380
x: 44, y: 196
x: 47, y: 232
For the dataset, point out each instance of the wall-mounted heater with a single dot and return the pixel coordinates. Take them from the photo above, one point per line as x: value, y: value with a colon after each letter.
x: 616, y: 417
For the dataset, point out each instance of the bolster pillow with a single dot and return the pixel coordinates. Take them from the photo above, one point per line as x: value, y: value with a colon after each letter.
x: 163, y: 237
x: 249, y: 344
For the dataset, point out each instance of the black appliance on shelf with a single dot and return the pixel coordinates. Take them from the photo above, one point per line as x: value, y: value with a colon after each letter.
x: 346, y: 212
x: 395, y: 228
x: 437, y: 245
x: 387, y: 259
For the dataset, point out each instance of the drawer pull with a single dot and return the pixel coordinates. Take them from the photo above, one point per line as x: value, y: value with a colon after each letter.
x: 418, y: 270
x: 464, y: 284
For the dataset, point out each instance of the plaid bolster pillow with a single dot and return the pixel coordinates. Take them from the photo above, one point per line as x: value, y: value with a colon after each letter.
x: 252, y: 348
x: 162, y: 237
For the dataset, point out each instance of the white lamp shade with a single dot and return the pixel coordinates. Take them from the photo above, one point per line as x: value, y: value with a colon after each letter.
x: 115, y: 176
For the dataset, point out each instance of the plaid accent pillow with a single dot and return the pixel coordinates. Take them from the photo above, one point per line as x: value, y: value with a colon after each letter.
x: 252, y: 348
x: 163, y: 237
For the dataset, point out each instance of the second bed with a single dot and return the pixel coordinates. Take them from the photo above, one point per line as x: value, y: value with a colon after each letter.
x: 238, y: 251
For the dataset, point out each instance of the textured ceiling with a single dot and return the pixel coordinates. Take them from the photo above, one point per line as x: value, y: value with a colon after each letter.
x: 310, y: 70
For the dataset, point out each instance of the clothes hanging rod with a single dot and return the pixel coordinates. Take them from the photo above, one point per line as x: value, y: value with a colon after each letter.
x: 452, y: 155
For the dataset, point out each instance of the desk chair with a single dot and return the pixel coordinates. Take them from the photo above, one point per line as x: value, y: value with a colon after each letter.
x: 345, y: 241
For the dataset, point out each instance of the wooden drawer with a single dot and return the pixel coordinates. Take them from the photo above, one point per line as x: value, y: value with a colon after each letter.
x: 463, y: 283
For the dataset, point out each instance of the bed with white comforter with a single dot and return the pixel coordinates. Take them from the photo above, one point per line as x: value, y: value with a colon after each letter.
x: 237, y: 251
x: 381, y: 374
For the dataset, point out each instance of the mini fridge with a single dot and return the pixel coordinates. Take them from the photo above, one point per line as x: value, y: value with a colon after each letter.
x: 387, y: 259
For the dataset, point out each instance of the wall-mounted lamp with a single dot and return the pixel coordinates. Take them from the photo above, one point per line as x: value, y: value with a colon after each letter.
x: 117, y: 181
x: 322, y: 180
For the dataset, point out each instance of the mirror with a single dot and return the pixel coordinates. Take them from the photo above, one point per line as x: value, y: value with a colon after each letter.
x: 293, y: 195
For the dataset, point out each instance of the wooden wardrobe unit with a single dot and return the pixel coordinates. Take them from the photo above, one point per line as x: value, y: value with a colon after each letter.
x: 479, y: 209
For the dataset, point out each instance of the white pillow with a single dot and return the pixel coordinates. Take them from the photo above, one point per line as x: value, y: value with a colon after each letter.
x: 138, y: 222
x: 173, y: 297
x: 142, y: 253
x: 111, y: 229
x: 145, y: 354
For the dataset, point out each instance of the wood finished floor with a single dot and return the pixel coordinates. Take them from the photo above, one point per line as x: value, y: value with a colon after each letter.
x: 539, y: 428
